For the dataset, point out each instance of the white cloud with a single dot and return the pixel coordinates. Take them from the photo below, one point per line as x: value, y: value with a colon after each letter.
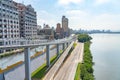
x: 107, y: 19
x: 46, y: 17
x: 27, y: 2
x: 98, y: 2
x: 67, y: 2
x: 77, y: 18
x: 76, y: 13
x: 81, y: 19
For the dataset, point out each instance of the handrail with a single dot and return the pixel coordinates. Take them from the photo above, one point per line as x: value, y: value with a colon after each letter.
x: 35, y: 43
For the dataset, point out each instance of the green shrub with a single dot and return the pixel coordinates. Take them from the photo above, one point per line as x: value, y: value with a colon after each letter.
x: 84, y: 37
x: 86, y: 68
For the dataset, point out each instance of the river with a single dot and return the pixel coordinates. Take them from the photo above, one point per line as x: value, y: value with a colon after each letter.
x: 7, y: 61
x: 105, y: 49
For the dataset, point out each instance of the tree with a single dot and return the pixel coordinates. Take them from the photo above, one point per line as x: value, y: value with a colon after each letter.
x: 84, y: 38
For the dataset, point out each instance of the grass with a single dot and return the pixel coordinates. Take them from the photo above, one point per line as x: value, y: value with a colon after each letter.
x: 74, y: 45
x: 52, y: 59
x: 9, y: 53
x: 77, y: 75
x: 87, y: 67
x: 61, y: 51
x: 41, y: 71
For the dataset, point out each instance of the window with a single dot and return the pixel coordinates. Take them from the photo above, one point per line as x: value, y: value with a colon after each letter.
x: 11, y: 36
x: 5, y: 26
x: 11, y: 26
x: 0, y: 25
x: 6, y: 43
x: 4, y: 20
x: 1, y: 31
x: 11, y: 31
x: 1, y: 36
x: 3, y: 15
x: 5, y: 31
x: 11, y: 21
x: 4, y: 10
x: 5, y: 36
x: 0, y: 20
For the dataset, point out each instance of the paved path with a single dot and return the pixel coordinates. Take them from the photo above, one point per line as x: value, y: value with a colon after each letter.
x: 68, y: 69
x: 57, y: 65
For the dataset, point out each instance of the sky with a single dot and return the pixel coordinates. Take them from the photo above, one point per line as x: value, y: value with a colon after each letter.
x: 84, y: 14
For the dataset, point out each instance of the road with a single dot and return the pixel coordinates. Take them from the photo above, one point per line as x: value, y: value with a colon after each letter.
x: 56, y: 66
x: 68, y: 70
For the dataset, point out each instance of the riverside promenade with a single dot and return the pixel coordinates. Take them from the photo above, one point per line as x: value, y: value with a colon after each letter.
x: 68, y: 69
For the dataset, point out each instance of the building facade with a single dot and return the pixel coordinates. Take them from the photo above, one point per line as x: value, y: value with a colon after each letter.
x: 28, y: 21
x: 9, y: 23
x: 46, y: 32
x: 65, y: 26
x: 58, y: 28
x: 59, y: 31
x: 16, y: 21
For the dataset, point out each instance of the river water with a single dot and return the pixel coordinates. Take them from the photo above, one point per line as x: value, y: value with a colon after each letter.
x: 105, y: 49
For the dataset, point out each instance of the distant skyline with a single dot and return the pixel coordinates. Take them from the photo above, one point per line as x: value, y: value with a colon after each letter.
x: 85, y: 14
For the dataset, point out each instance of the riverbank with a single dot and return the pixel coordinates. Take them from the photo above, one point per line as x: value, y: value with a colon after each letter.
x: 86, y: 67
x: 10, y: 53
x: 37, y: 53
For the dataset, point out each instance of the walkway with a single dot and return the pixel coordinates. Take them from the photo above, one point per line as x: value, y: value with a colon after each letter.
x: 68, y: 69
x: 54, y: 69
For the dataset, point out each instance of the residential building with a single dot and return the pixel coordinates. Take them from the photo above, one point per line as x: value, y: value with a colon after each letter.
x: 59, y: 31
x: 47, y: 32
x: 28, y: 21
x: 58, y: 28
x: 16, y: 21
x: 65, y: 26
x: 9, y: 23
x: 46, y: 26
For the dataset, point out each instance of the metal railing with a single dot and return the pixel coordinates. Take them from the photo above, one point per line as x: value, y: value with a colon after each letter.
x: 33, y: 43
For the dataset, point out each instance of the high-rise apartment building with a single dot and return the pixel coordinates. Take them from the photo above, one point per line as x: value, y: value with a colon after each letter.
x: 16, y: 21
x: 65, y: 26
x: 58, y: 28
x: 59, y: 31
x: 28, y: 21
x: 9, y: 22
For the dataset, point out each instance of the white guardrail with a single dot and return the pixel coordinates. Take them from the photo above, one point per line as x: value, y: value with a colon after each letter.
x: 22, y: 42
